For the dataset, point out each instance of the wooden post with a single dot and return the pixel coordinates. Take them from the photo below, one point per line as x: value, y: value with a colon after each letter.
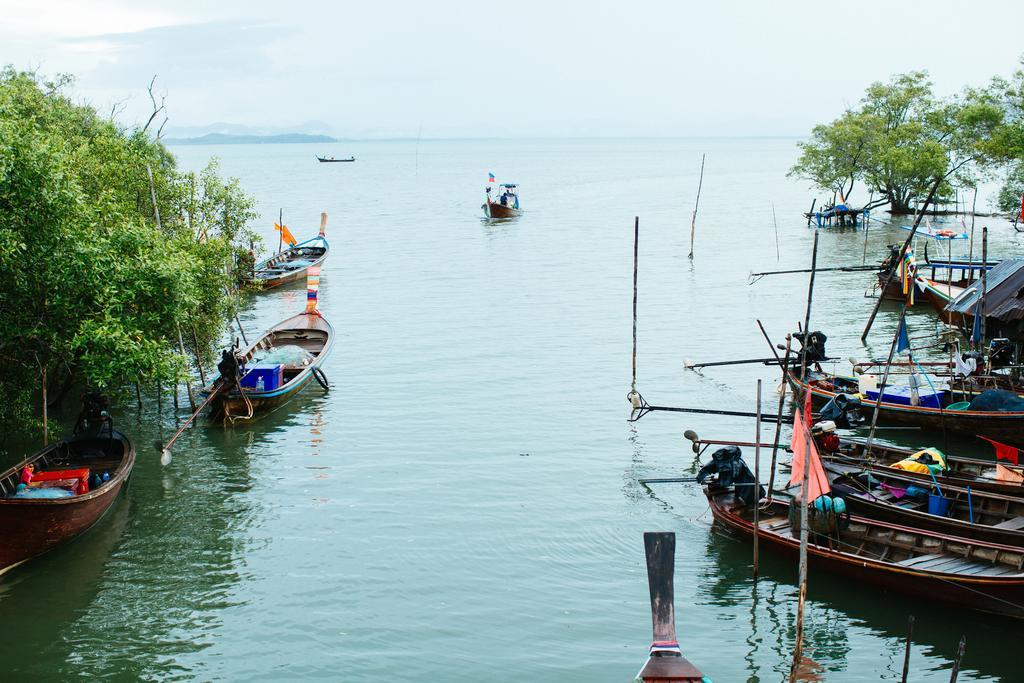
x: 778, y: 419
x: 906, y: 654
x: 636, y: 242
x: 984, y: 283
x: 956, y: 662
x: 757, y: 476
x: 903, y: 252
x: 775, y: 222
x: 138, y: 395
x: 810, y: 214
x: 807, y: 315
x: 693, y: 220
x: 885, y: 379
x: 280, y: 233
x: 802, y: 599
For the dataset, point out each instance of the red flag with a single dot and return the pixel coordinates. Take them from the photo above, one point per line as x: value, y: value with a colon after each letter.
x: 1022, y: 207
x: 1004, y: 452
x: 817, y: 482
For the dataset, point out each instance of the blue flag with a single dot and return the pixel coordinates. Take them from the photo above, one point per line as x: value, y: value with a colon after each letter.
x: 902, y: 339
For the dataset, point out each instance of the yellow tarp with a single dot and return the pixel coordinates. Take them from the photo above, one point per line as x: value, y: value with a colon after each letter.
x: 914, y: 464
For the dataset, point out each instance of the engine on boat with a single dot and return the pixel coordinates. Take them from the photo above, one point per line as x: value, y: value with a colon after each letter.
x: 844, y: 411
x: 727, y: 463
x: 813, y: 343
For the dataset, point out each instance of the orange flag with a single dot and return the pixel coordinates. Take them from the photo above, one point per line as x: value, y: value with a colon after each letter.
x: 817, y: 482
x: 286, y: 234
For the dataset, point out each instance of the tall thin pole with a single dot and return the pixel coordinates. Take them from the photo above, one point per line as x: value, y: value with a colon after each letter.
x: 984, y: 281
x: 903, y: 252
x: 188, y: 383
x: 757, y: 476
x: 807, y: 315
x: 42, y: 372
x: 636, y: 243
x: 776, y: 223
x: 152, y: 195
x: 956, y: 662
x: 974, y: 208
x: 804, y: 504
x: 693, y: 220
x: 885, y: 380
x: 782, y: 404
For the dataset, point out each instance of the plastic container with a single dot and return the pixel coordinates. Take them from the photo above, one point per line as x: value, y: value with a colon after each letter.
x: 938, y: 505
x: 960, y: 405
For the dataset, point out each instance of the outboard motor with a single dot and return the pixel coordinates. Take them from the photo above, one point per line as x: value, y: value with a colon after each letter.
x: 844, y: 411
x: 728, y: 464
x: 93, y: 414
x: 231, y: 365
x: 814, y: 343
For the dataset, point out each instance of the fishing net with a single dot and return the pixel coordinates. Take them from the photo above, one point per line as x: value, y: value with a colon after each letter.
x: 291, y: 355
x: 997, y: 400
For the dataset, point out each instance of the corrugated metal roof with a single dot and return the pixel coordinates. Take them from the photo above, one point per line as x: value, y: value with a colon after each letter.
x: 1003, y: 290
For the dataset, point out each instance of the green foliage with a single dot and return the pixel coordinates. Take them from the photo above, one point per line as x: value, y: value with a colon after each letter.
x: 93, y: 290
x: 902, y: 138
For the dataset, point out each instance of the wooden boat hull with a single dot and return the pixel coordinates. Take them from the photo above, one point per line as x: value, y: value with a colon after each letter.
x: 268, y: 277
x: 1006, y: 427
x: 496, y: 210
x: 33, y: 526
x: 963, y: 472
x: 986, y: 509
x: 997, y: 594
x: 312, y: 332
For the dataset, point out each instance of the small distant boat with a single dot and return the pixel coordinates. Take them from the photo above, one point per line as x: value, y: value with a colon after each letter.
x: 32, y: 524
x: 507, y: 203
x: 332, y: 160
x: 292, y: 263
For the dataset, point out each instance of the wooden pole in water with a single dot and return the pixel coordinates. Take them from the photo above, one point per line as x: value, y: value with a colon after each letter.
x: 280, y: 233
x: 974, y: 208
x: 867, y: 224
x: 810, y: 213
x: 801, y: 601
x: 906, y: 654
x: 903, y: 252
x: 782, y: 404
x: 199, y: 362
x: 956, y: 662
x: 775, y: 221
x: 693, y: 220
x: 757, y: 476
x: 636, y: 254
x: 885, y: 379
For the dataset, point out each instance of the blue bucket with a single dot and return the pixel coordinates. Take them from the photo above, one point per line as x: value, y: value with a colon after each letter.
x: 938, y: 505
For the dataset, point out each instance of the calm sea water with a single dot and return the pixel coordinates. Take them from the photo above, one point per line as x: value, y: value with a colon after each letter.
x: 463, y: 505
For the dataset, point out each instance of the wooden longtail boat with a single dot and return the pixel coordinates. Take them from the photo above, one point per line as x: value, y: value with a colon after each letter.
x: 987, y: 577
x: 311, y: 333
x: 1003, y: 426
x: 979, y: 474
x: 980, y: 515
x: 939, y: 294
x: 507, y: 205
x: 666, y: 663
x: 332, y: 160
x: 32, y: 526
x: 292, y: 263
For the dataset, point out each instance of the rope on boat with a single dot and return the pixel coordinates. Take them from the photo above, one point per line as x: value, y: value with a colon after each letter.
x: 321, y: 378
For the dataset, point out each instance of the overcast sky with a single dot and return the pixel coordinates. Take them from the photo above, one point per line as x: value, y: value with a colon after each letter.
x: 524, y: 68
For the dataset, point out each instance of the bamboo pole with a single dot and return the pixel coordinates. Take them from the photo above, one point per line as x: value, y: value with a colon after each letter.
x: 782, y: 404
x: 757, y: 477
x: 903, y: 252
x: 885, y: 379
x: 42, y: 372
x: 801, y: 601
x: 280, y: 233
x: 775, y: 222
x: 906, y: 654
x: 984, y: 283
x: 807, y: 314
x: 693, y: 219
x: 636, y: 243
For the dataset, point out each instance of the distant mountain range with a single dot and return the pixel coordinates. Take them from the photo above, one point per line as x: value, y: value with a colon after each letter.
x: 248, y: 139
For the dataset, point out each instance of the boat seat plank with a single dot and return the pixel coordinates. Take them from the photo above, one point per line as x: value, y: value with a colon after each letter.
x: 921, y: 559
x: 1012, y: 524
